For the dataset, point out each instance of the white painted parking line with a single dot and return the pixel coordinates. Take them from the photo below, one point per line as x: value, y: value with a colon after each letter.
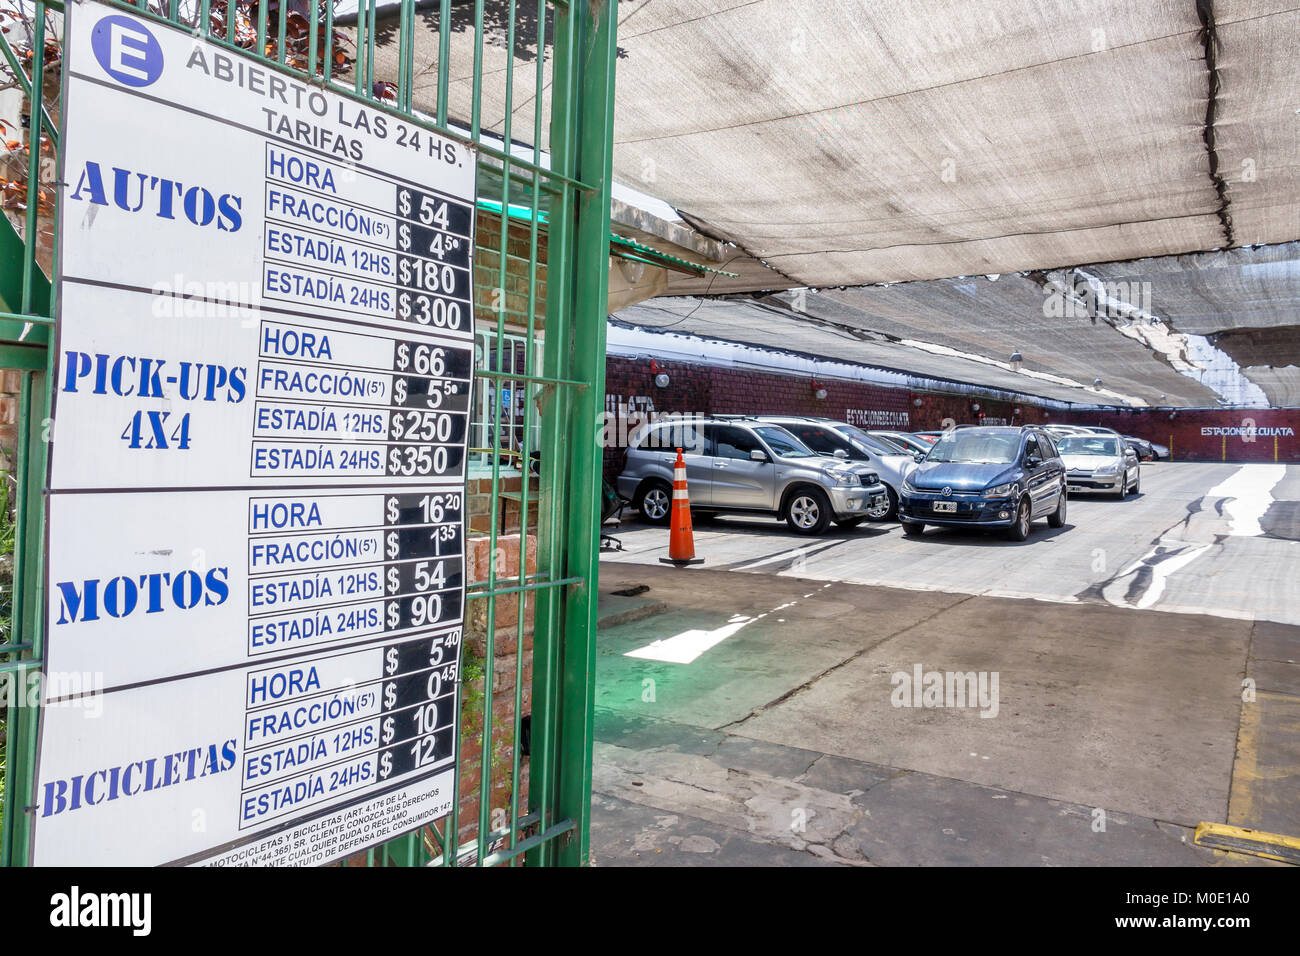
x: 685, y: 647
x: 1161, y: 566
x: 1251, y: 494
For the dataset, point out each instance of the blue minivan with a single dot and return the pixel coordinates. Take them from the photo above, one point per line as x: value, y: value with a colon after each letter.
x: 994, y: 477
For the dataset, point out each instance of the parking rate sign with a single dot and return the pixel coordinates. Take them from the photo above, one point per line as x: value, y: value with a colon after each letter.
x: 255, y: 583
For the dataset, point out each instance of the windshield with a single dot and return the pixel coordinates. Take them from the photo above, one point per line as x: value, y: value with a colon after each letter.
x: 906, y: 443
x: 1079, y: 445
x: 976, y: 447
x: 866, y: 442
x: 783, y: 443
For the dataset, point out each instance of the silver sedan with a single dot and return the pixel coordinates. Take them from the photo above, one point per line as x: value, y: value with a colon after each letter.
x: 1099, y: 463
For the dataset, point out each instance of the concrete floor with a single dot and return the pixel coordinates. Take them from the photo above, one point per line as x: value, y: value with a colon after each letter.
x: 754, y: 719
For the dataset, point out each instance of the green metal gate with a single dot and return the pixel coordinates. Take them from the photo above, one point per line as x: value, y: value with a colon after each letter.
x: 440, y: 65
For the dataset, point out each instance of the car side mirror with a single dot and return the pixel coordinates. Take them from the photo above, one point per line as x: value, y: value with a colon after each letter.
x: 1032, y: 461
x: 918, y: 457
x: 841, y: 454
x: 758, y: 455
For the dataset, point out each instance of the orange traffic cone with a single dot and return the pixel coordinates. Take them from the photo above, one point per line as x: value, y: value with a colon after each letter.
x: 681, y: 541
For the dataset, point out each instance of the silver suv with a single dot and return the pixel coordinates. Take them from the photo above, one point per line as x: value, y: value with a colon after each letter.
x: 741, y: 465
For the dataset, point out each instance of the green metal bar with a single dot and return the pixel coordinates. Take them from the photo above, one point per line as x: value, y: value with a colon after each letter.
x: 282, y: 28
x: 489, y: 664
x: 371, y: 6
x: 358, y: 67
x: 406, y: 55
x: 232, y: 14
x: 596, y: 49
x: 476, y: 98
x: 261, y: 31
x: 489, y: 669
x: 37, y: 97
x: 19, y: 665
x: 539, y: 379
x: 21, y: 509
x: 19, y: 359
x: 529, y: 359
x: 514, y: 388
x: 548, y: 616
x: 444, y: 68
x: 329, y: 41
x: 313, y: 40
x: 16, y: 759
x: 29, y: 603
x: 444, y: 59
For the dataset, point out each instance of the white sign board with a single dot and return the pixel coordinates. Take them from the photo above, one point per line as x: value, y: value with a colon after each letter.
x: 257, y: 479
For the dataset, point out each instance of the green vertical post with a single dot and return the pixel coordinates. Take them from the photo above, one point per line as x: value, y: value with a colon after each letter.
x: 578, y: 257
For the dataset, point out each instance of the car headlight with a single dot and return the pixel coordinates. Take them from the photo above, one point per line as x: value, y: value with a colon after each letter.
x: 1111, y: 469
x: 1008, y: 490
x: 843, y: 479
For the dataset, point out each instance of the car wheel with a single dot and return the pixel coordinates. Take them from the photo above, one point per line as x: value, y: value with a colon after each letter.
x: 886, y: 511
x: 1137, y: 483
x: 808, y: 511
x: 913, y: 529
x: 1123, y: 488
x: 654, y: 501
x: 1057, y: 518
x: 1019, y: 530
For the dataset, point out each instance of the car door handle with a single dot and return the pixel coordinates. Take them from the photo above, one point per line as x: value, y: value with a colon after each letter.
x: 719, y: 464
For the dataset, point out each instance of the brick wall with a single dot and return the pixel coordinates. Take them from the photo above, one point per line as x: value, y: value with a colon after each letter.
x: 937, y: 411
x: 1193, y: 434
x: 631, y: 394
x: 10, y: 385
x: 1207, y: 434
x: 513, y: 294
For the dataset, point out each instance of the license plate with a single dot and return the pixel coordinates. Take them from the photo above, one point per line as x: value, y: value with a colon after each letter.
x: 1076, y: 488
x: 947, y: 506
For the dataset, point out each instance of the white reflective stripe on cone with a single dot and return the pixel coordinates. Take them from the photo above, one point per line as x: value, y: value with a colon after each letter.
x: 679, y: 494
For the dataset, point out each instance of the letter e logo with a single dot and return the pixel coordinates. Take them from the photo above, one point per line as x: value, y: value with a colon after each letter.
x: 127, y: 51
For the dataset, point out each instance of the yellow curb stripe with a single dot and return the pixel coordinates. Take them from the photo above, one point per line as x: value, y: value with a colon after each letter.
x: 1245, y: 766
x: 1271, y: 846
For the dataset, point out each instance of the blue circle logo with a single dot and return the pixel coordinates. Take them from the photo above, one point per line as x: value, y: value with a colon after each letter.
x: 127, y: 51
